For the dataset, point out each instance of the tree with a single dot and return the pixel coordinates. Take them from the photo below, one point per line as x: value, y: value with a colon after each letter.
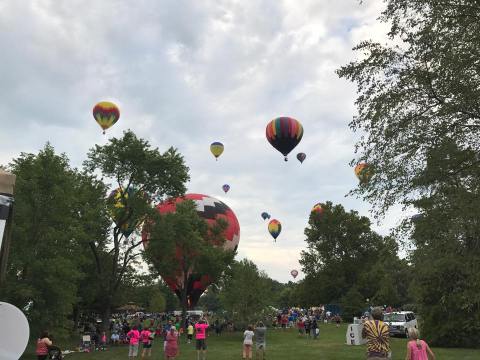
x: 415, y: 91
x: 245, y: 291
x: 346, y: 258
x: 49, y: 238
x: 184, y: 249
x: 141, y: 174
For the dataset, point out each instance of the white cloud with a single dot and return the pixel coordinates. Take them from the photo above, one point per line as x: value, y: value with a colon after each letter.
x: 187, y: 73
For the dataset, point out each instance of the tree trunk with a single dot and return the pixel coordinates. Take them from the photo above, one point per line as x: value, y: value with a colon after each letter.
x: 106, y: 314
x: 184, y: 300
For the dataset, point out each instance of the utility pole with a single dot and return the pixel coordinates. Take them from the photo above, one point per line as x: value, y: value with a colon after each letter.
x: 7, y: 184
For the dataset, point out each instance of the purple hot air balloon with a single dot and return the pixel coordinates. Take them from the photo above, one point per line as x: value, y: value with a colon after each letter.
x: 225, y: 188
x: 301, y: 157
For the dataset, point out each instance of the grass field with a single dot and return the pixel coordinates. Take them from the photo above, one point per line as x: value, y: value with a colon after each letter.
x: 281, y: 345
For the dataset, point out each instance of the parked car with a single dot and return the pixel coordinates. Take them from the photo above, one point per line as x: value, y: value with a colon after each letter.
x: 400, y: 322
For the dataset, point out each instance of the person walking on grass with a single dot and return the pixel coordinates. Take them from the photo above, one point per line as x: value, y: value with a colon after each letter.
x: 418, y: 349
x: 134, y: 336
x: 189, y: 333
x: 146, y: 336
x: 43, y: 343
x: 377, y: 334
x: 171, y: 350
x: 248, y: 342
x: 260, y: 340
x: 200, y: 336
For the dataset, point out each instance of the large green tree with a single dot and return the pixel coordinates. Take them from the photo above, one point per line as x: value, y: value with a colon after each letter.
x: 52, y: 225
x: 184, y: 248
x: 419, y: 120
x: 246, y: 292
x: 346, y: 259
x: 141, y: 174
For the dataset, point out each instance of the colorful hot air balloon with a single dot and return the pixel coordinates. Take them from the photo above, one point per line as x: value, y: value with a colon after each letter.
x: 120, y: 209
x: 225, y: 188
x: 317, y: 209
x: 363, y: 171
x: 265, y: 215
x: 284, y: 133
x: 294, y: 273
x: 275, y: 228
x: 210, y: 209
x: 106, y: 114
x: 301, y: 157
x: 217, y: 149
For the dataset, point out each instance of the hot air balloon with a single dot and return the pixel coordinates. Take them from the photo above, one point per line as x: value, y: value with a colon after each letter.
x: 225, y: 188
x: 106, y: 114
x: 294, y: 273
x: 210, y: 209
x: 363, y: 171
x: 284, y: 133
x: 275, y: 228
x: 217, y: 149
x: 120, y: 209
x: 301, y: 157
x: 317, y: 209
x: 265, y: 215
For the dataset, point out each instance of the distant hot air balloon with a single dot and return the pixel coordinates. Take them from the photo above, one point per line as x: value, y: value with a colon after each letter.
x: 225, y: 188
x: 265, y: 215
x: 106, y: 114
x: 363, y: 171
x: 301, y: 157
x: 294, y: 273
x: 217, y: 149
x: 284, y: 133
x: 275, y: 228
x: 317, y: 209
x: 120, y: 209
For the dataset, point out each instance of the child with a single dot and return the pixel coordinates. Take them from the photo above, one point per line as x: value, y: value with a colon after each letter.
x: 103, y: 341
x: 418, y: 349
x: 190, y: 333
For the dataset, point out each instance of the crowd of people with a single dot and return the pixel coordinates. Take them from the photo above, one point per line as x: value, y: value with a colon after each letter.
x: 140, y: 333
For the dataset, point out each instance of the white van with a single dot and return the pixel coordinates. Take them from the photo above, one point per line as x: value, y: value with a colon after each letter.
x: 190, y: 313
x: 399, y: 322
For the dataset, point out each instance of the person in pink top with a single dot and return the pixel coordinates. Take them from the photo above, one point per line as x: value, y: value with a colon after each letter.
x: 171, y: 349
x: 200, y: 335
x: 134, y: 336
x: 146, y: 336
x: 43, y: 343
x: 418, y: 349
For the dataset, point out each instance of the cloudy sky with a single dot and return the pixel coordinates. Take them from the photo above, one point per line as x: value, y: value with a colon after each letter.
x: 187, y: 73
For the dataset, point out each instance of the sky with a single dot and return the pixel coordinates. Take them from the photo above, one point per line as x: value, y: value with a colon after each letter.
x: 186, y: 73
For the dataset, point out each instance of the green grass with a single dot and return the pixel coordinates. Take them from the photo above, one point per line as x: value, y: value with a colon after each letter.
x: 281, y: 345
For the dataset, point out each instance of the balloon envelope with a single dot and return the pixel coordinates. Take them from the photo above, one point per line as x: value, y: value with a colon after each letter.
x: 284, y: 133
x: 301, y: 157
x: 120, y: 211
x: 225, y: 188
x: 363, y: 171
x: 210, y: 209
x: 317, y: 209
x: 294, y: 273
x: 275, y: 228
x: 265, y: 215
x: 106, y: 114
x: 216, y: 149
x: 14, y: 332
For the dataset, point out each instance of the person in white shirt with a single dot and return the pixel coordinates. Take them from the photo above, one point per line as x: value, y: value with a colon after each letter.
x: 248, y: 342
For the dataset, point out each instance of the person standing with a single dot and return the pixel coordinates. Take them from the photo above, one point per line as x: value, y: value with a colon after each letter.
x: 377, y: 334
x: 134, y: 336
x: 260, y: 340
x: 248, y: 342
x: 189, y: 333
x: 315, y: 329
x: 200, y: 336
x: 146, y: 336
x: 43, y: 343
x: 417, y: 349
x: 171, y: 350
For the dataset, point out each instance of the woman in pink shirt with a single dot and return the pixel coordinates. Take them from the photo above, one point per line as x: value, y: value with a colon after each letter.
x: 171, y: 349
x: 43, y: 343
x: 200, y: 335
x: 134, y: 336
x: 417, y: 349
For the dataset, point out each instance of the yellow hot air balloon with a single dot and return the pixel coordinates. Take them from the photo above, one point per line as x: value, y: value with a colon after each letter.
x: 363, y: 171
x: 217, y: 149
x: 106, y: 114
